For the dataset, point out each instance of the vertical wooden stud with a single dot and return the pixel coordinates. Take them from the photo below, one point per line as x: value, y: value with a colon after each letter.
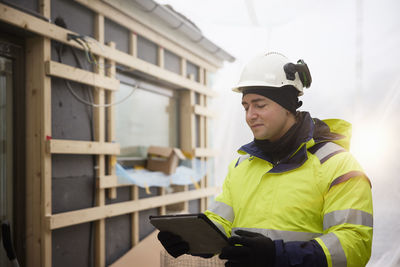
x: 187, y: 131
x: 135, y: 217
x: 38, y: 175
x: 183, y: 67
x: 99, y: 136
x: 111, y: 72
x: 44, y: 8
x: 133, y: 44
x: 134, y: 189
x: 160, y: 56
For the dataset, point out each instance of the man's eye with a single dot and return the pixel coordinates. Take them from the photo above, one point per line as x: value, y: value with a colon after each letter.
x: 261, y: 106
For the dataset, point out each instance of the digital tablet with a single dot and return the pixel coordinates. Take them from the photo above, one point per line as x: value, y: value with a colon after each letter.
x: 196, y: 229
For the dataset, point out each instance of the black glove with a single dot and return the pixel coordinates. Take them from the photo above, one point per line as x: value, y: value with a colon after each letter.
x: 255, y: 250
x: 173, y: 244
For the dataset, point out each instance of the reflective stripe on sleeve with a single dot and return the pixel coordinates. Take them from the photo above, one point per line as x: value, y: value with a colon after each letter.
x: 338, y: 256
x: 286, y: 236
x: 347, y: 216
x: 223, y: 210
x: 327, y: 151
x: 347, y: 176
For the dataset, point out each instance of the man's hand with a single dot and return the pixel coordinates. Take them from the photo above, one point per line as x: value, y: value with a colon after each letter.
x: 249, y: 249
x: 173, y: 244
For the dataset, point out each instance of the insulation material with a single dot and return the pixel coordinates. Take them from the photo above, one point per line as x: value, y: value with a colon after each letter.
x: 172, y: 62
x: 117, y: 34
x: 147, y: 50
x: 77, y: 17
x: 184, y: 175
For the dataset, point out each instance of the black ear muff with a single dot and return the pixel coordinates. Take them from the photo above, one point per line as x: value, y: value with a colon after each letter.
x: 290, y: 70
x: 304, y: 73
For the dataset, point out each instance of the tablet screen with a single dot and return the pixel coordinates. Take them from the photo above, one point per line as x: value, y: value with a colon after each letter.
x: 196, y: 229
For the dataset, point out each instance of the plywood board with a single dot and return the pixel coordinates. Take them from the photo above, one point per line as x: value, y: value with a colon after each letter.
x: 146, y: 253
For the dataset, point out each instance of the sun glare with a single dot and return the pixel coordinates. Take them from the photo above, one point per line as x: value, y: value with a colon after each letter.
x: 371, y: 144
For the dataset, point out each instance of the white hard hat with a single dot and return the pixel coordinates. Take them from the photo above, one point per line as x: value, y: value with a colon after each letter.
x: 274, y: 70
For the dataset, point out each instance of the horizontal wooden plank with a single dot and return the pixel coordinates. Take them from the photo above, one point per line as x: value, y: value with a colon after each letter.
x: 52, y: 31
x: 203, y: 111
x: 55, y: 146
x: 108, y: 181
x: 64, y: 71
x: 97, y: 213
x: 204, y: 152
x: 159, y: 73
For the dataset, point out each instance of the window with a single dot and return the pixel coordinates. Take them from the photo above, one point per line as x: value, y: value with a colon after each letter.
x: 147, y: 117
x: 12, y: 141
x: 6, y: 138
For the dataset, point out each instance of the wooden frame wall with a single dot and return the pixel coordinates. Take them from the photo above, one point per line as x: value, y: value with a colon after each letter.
x: 40, y: 145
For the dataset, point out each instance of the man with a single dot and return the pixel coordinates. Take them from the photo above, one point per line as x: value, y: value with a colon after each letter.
x: 295, y: 196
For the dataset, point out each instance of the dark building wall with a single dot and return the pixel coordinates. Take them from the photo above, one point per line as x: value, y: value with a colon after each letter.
x: 145, y: 228
x: 73, y: 182
x: 192, y: 69
x: 71, y: 119
x: 118, y: 229
x: 194, y: 205
x: 71, y: 246
x: 172, y: 62
x: 147, y: 50
x: 73, y: 176
x: 77, y: 17
x: 32, y: 5
x: 117, y: 34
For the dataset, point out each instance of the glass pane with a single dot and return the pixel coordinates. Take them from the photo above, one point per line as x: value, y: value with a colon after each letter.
x: 145, y: 118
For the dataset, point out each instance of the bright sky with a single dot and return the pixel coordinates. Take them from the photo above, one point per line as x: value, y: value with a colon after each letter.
x: 332, y: 37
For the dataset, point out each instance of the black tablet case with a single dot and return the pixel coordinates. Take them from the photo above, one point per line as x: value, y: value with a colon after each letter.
x: 196, y: 229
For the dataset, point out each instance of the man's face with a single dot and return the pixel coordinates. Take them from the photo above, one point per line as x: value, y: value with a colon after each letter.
x: 266, y: 119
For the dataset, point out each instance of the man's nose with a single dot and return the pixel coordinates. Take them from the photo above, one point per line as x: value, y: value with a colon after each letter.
x: 251, y: 114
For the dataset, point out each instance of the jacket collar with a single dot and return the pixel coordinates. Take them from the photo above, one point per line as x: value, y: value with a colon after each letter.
x: 297, y: 157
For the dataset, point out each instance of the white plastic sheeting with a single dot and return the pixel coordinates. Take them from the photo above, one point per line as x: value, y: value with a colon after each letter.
x: 352, y: 49
x: 192, y: 173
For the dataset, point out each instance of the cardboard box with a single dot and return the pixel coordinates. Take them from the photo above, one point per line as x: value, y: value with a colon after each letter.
x: 163, y: 159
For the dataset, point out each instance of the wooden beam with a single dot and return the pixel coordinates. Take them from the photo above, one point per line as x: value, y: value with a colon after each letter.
x: 133, y: 44
x: 160, y: 57
x: 65, y: 219
x: 111, y: 71
x: 99, y: 136
x: 44, y: 8
x: 183, y: 69
x: 134, y: 188
x: 64, y: 71
x: 38, y: 159
x: 202, y: 134
x: 162, y: 209
x: 203, y: 111
x: 33, y: 24
x: 107, y: 181
x: 135, y: 216
x: 58, y: 146
x: 187, y: 125
x: 204, y: 152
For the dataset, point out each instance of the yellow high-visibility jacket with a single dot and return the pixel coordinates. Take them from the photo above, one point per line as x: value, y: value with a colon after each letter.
x: 319, y: 194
